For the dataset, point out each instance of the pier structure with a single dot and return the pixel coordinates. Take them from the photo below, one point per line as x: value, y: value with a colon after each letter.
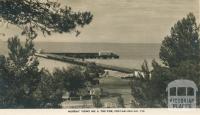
x: 89, y: 55
x: 76, y: 61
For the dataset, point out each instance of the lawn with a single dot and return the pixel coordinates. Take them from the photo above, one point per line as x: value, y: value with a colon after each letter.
x: 116, y: 86
x: 112, y: 88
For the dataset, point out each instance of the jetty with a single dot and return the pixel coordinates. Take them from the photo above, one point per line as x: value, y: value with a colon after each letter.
x: 89, y: 55
x: 76, y: 61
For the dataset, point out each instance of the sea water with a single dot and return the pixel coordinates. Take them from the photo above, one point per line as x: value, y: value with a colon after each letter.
x: 132, y: 55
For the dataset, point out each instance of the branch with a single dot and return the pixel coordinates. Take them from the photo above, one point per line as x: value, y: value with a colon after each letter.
x: 46, y: 16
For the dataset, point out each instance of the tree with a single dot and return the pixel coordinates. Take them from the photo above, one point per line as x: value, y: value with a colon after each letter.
x: 160, y: 77
x: 180, y: 51
x: 76, y: 78
x: 92, y: 73
x: 180, y: 55
x: 46, y: 16
x: 182, y: 44
x: 71, y: 79
x: 49, y: 91
x: 22, y: 83
x: 141, y: 89
x: 97, y: 102
x: 149, y: 89
x: 53, y: 86
x: 21, y: 75
x: 3, y: 85
x: 120, y: 101
x: 18, y: 54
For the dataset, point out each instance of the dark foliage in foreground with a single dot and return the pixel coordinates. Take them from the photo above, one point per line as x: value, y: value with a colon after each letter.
x: 180, y: 55
x: 24, y: 85
x: 46, y: 16
x: 182, y: 44
x: 20, y: 75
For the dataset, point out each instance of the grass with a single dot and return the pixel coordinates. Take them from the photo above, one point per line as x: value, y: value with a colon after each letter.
x: 114, y: 83
x: 113, y: 87
x: 116, y: 86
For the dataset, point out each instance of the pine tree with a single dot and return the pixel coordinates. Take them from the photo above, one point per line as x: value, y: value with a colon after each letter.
x: 182, y: 44
x: 46, y: 16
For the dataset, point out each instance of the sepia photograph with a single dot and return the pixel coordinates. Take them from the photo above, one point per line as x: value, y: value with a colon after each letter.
x: 98, y: 54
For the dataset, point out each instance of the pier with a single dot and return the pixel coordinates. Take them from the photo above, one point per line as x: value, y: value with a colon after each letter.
x: 84, y: 63
x: 89, y: 55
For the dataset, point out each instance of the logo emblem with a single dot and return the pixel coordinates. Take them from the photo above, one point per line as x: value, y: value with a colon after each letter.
x: 182, y: 94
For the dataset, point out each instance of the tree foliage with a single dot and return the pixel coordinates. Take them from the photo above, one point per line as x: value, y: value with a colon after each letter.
x: 182, y: 44
x: 71, y: 79
x: 97, y: 102
x: 53, y: 86
x: 20, y: 74
x: 76, y: 78
x: 140, y: 87
x: 24, y: 85
x: 120, y: 102
x: 46, y: 16
x: 18, y: 54
x: 49, y: 91
x: 180, y: 55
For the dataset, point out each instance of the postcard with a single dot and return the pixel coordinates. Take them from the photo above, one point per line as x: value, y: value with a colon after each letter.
x: 99, y: 56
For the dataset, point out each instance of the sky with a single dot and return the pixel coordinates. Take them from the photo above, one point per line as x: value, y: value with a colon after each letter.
x: 122, y: 21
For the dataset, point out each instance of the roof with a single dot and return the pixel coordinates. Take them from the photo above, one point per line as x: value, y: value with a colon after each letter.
x: 182, y: 83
